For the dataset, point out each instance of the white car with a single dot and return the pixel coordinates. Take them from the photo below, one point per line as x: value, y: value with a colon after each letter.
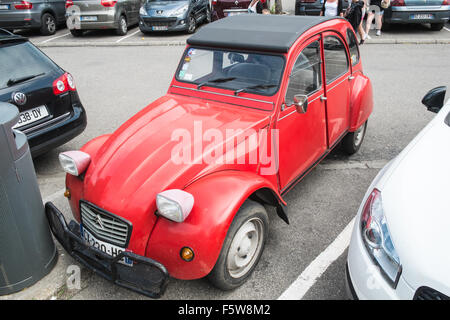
x: 400, y: 243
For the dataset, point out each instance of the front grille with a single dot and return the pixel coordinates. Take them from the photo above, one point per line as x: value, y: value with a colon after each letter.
x: 425, y: 293
x: 158, y: 22
x: 104, y: 225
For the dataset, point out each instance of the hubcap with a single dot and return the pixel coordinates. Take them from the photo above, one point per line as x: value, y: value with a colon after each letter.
x: 191, y: 24
x: 359, y: 134
x: 51, y: 26
x: 123, y: 25
x: 245, y: 248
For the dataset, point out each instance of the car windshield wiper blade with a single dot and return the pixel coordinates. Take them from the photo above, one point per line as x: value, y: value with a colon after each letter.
x: 217, y: 80
x: 258, y: 86
x: 22, y: 79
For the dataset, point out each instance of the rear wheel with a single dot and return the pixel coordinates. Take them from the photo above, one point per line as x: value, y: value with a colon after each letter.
x: 48, y: 24
x: 242, y: 248
x: 76, y: 33
x: 122, y: 29
x: 437, y: 26
x: 353, y: 140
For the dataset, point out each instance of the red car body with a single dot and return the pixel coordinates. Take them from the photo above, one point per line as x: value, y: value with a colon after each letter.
x: 131, y: 166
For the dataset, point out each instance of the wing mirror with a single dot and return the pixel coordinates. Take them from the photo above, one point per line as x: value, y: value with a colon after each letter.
x: 301, y: 103
x: 434, y: 99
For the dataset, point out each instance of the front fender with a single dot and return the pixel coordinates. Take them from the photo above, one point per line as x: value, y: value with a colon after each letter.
x: 361, y: 101
x: 217, y: 198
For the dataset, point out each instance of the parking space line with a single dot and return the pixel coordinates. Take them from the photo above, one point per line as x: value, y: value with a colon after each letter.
x: 130, y: 35
x: 312, y: 273
x: 48, y: 40
x: 447, y: 29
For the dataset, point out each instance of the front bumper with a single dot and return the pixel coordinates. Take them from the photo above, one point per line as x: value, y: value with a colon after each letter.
x: 146, y: 276
x: 156, y: 24
x: 406, y: 14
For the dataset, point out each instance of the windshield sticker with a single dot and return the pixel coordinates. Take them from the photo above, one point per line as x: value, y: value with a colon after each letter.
x: 187, y: 59
x: 191, y: 52
x: 185, y: 66
x: 181, y: 75
x: 188, y: 76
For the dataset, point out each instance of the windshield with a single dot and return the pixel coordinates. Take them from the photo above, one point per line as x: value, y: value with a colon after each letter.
x: 238, y: 71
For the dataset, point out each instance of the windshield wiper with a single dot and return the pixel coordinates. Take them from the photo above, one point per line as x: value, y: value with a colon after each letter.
x: 22, y: 79
x: 217, y: 80
x: 258, y: 86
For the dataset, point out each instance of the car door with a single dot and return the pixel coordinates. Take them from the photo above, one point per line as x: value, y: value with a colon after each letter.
x: 337, y: 86
x: 302, y: 136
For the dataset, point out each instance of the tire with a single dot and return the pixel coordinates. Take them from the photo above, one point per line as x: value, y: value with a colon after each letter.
x: 249, y: 229
x: 48, y: 24
x: 437, y: 26
x: 192, y: 24
x: 76, y: 33
x: 353, y: 140
x: 122, y: 28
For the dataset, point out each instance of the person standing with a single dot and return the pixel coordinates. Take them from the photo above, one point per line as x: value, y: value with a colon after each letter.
x: 255, y: 6
x: 332, y: 8
x: 375, y: 10
x: 354, y: 15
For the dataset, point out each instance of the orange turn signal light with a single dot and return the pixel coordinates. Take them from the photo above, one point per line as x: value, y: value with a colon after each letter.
x: 187, y: 254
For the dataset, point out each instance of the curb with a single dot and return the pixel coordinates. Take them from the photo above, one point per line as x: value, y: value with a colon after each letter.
x: 183, y: 43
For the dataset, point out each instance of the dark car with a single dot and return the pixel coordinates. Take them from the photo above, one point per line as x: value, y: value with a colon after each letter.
x: 44, y: 15
x: 311, y: 7
x: 435, y: 12
x: 173, y: 15
x: 50, y: 110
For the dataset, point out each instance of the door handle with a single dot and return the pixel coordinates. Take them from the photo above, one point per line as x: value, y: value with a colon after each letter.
x: 350, y: 78
x: 322, y: 98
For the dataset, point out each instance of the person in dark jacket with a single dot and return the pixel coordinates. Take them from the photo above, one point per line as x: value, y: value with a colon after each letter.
x: 354, y: 16
x: 332, y: 8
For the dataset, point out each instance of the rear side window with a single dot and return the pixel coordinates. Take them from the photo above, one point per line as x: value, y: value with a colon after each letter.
x: 353, y: 46
x: 336, y: 63
x: 20, y: 60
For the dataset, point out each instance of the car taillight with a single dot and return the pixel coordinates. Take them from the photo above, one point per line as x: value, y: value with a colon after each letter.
x: 445, y: 3
x: 397, y: 3
x: 63, y: 84
x: 214, y: 2
x: 69, y: 3
x: 23, y: 5
x: 108, y: 3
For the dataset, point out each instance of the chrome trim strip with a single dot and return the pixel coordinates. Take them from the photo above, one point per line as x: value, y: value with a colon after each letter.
x: 46, y: 124
x: 290, y: 113
x: 421, y: 8
x: 223, y: 94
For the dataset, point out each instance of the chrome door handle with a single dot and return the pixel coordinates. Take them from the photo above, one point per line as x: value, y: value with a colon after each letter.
x: 322, y: 98
x: 350, y: 78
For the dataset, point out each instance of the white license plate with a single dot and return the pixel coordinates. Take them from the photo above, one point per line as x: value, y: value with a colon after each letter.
x: 31, y: 116
x: 4, y: 6
x: 422, y: 16
x: 160, y: 28
x: 88, y: 18
x: 105, y: 247
x: 229, y: 14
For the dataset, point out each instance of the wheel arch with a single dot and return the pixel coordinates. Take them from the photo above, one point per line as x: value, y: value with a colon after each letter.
x: 361, y: 101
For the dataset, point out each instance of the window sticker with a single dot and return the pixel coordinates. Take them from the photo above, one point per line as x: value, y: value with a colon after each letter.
x: 188, y: 76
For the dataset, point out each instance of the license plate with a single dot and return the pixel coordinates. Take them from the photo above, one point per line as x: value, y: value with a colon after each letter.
x: 88, y: 18
x: 160, y: 28
x: 235, y: 13
x: 105, y: 247
x: 4, y: 6
x: 31, y: 116
x: 421, y: 16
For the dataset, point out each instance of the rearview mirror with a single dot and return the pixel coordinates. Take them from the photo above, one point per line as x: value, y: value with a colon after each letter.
x: 434, y: 99
x: 301, y: 103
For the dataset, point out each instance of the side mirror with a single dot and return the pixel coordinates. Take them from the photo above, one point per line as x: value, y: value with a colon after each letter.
x: 434, y: 99
x: 301, y: 103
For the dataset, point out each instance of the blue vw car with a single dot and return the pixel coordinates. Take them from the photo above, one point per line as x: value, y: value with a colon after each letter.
x: 173, y: 15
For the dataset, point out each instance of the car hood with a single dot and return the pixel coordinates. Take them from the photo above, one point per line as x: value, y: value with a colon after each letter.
x: 145, y: 155
x: 164, y: 5
x: 415, y: 196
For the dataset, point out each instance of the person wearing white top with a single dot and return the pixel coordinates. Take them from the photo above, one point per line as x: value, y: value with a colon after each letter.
x: 255, y: 7
x: 332, y: 8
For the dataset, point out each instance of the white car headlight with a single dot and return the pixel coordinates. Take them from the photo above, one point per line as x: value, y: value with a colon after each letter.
x: 74, y: 162
x: 377, y: 239
x: 142, y: 11
x: 180, y: 11
x: 174, y: 204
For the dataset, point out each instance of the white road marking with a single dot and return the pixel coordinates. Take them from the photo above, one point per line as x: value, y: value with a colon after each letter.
x: 130, y: 35
x: 54, y: 196
x: 63, y: 35
x: 309, y: 276
x: 447, y: 29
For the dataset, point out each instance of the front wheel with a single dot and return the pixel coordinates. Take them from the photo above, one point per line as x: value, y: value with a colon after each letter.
x: 192, y: 24
x: 242, y: 248
x: 353, y: 140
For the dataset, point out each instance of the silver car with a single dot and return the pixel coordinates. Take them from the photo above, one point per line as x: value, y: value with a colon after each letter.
x: 44, y: 15
x: 101, y: 14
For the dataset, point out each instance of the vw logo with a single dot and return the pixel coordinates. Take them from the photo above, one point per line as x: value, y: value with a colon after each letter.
x: 19, y: 98
x: 99, y: 221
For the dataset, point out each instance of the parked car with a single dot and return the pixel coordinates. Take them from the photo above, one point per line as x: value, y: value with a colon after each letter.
x: 398, y: 248
x: 51, y: 112
x: 181, y: 188
x: 85, y: 15
x: 225, y: 8
x: 42, y: 15
x: 173, y: 15
x: 312, y: 7
x: 435, y: 12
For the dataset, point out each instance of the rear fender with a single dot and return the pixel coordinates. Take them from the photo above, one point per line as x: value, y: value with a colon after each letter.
x: 217, y: 198
x: 361, y: 101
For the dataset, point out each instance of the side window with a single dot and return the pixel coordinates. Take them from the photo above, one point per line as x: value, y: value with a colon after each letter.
x: 336, y: 63
x: 305, y: 76
x: 353, y: 46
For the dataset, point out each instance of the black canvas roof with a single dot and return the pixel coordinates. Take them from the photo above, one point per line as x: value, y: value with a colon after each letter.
x: 275, y: 33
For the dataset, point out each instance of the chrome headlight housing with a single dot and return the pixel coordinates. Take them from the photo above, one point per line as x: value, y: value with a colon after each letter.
x: 174, y: 204
x: 142, y: 11
x: 377, y: 238
x: 74, y: 162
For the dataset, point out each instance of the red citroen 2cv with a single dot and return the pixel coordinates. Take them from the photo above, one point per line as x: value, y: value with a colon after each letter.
x: 181, y: 188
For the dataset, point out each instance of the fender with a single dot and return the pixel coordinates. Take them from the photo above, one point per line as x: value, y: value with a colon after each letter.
x: 217, y: 198
x: 361, y: 101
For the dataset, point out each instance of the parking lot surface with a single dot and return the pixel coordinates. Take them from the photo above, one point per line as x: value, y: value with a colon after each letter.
x: 115, y: 83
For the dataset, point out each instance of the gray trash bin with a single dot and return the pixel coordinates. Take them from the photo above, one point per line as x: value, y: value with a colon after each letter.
x: 27, y: 250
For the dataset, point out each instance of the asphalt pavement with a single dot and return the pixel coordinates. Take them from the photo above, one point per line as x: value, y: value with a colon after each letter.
x: 115, y: 83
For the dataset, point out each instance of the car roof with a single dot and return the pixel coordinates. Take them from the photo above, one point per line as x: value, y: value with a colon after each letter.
x: 274, y: 33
